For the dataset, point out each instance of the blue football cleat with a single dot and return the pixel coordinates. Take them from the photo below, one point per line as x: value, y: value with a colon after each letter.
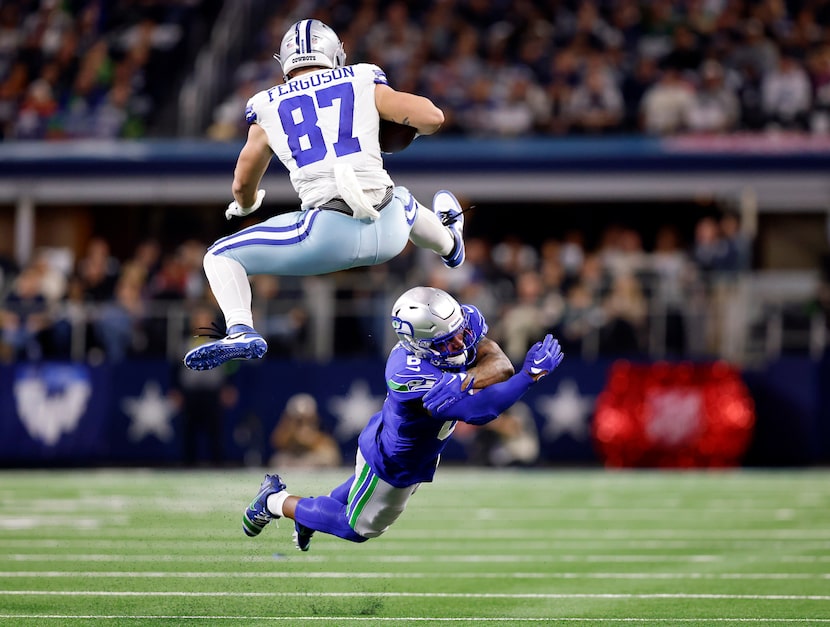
x: 446, y: 207
x: 302, y: 536
x: 256, y: 515
x: 241, y: 342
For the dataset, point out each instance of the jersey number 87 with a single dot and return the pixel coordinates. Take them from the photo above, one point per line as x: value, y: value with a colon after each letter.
x: 307, y: 126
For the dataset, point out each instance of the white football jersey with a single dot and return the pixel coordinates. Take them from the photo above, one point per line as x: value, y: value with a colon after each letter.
x: 321, y: 118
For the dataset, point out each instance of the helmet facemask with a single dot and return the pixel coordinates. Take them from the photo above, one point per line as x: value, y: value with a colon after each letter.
x: 435, y: 327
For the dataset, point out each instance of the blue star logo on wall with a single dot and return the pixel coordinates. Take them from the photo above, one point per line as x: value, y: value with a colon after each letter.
x: 566, y: 412
x: 354, y: 410
x: 150, y: 414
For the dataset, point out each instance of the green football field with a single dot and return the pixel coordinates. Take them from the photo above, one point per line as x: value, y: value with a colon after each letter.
x: 542, y: 547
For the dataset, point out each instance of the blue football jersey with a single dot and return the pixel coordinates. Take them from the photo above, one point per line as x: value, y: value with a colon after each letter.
x: 402, y: 442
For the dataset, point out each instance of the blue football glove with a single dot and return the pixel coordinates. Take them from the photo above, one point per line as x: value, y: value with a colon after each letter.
x: 449, y: 390
x: 543, y: 357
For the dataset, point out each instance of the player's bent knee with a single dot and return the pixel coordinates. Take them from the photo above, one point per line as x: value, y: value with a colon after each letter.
x: 353, y: 536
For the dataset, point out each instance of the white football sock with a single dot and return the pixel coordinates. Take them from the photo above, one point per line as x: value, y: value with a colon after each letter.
x: 274, y: 503
x: 428, y: 232
x: 231, y: 289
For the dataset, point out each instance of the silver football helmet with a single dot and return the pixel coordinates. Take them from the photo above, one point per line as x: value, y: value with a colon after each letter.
x: 432, y: 325
x: 310, y: 43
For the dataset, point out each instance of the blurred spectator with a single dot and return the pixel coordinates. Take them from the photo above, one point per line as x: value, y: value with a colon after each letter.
x: 666, y: 105
x: 484, y: 285
x: 564, y: 76
x: 510, y: 440
x: 24, y: 318
x: 787, y: 95
x: 523, y: 110
x: 625, y: 312
x: 119, y: 324
x: 721, y: 247
x: 754, y: 49
x: 715, y: 108
x: 395, y: 39
x: 202, y: 398
x: 98, y: 270
x: 36, y: 112
x: 753, y: 117
x: 572, y: 253
x: 147, y: 257
x: 53, y: 267
x: 298, y: 439
x: 635, y: 84
x: 580, y: 321
x: 523, y: 321
x: 596, y: 105
x: 685, y: 55
x: 672, y: 274
x: 229, y: 117
x: 819, y: 64
x: 716, y: 260
x: 513, y: 256
x: 283, y: 323
x: 622, y: 252
x: 171, y: 281
x: 659, y: 19
x: 738, y: 243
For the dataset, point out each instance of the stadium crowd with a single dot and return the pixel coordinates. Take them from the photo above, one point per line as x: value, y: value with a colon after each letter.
x: 513, y: 68
x: 598, y: 299
x: 87, y: 68
x: 76, y: 69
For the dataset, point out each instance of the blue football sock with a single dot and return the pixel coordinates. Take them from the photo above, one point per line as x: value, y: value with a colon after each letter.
x: 323, y: 513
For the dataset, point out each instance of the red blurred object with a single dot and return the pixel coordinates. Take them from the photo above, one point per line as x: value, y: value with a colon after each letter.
x: 673, y: 415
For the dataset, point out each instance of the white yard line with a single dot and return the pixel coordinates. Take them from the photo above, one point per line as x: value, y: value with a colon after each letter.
x: 501, y: 620
x: 412, y: 575
x: 425, y: 595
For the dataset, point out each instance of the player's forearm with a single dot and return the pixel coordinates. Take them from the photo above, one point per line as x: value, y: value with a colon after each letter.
x: 492, y: 365
x: 246, y: 179
x: 251, y: 165
x: 486, y: 405
x: 426, y: 117
x: 244, y: 194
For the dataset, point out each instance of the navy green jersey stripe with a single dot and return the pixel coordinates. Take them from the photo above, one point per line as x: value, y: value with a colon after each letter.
x: 363, y: 500
x: 356, y: 485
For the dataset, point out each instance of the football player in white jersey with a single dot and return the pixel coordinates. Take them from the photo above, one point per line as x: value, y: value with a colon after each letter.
x: 322, y: 123
x: 444, y: 369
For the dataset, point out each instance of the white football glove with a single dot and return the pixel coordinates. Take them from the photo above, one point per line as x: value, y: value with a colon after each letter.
x: 240, y: 212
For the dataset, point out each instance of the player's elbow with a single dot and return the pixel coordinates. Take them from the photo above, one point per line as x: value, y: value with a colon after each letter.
x: 433, y: 119
x: 481, y: 419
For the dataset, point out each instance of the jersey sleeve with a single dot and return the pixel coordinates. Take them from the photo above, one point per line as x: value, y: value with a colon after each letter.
x: 252, y: 108
x: 378, y: 75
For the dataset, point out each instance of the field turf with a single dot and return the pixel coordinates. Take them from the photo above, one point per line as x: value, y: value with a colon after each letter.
x: 477, y: 547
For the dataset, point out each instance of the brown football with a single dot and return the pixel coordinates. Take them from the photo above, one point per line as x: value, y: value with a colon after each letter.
x: 395, y: 137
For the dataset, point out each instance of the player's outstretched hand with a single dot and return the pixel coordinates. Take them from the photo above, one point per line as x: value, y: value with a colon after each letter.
x: 543, y: 357
x: 240, y: 212
x: 449, y: 390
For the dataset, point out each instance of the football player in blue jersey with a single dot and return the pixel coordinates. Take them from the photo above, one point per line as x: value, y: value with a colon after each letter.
x: 322, y: 124
x: 443, y: 369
